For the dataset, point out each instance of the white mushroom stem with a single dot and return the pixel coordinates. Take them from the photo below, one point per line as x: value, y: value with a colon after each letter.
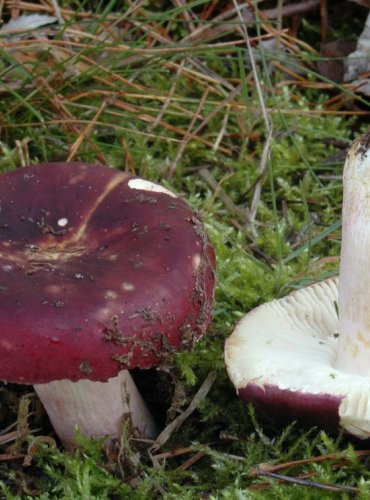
x: 353, y: 355
x: 97, y: 408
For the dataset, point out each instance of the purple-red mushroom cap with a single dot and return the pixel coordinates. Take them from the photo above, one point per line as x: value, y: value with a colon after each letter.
x: 99, y: 272
x: 307, y: 356
x: 281, y: 357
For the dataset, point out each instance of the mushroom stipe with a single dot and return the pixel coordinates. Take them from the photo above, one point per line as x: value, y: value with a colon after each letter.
x: 100, y: 273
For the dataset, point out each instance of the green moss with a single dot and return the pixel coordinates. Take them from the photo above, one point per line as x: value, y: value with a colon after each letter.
x: 296, y: 226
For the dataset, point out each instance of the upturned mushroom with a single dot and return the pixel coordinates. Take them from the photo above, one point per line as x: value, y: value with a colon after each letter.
x: 294, y: 357
x: 100, y: 273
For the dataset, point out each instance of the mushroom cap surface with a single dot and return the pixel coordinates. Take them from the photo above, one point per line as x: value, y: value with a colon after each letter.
x: 99, y: 272
x: 281, y: 357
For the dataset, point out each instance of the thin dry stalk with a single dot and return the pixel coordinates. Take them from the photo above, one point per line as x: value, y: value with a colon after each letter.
x: 8, y: 457
x: 324, y: 20
x: 188, y: 134
x: 23, y: 152
x: 311, y: 484
x: 220, y: 26
x: 76, y: 121
x: 57, y: 11
x: 192, y: 460
x: 263, y: 167
x: 218, y: 191
x: 270, y: 471
x: 173, y: 453
x: 169, y: 97
x: 291, y: 43
x: 278, y: 65
x: 121, y: 48
x: 279, y: 21
x: 60, y: 107
x: 8, y: 437
x: 49, y: 9
x: 178, y: 131
x: 185, y: 13
x: 208, y: 73
x: 222, y: 131
x: 305, y: 461
x: 203, y: 70
x: 165, y: 435
x: 85, y: 133
x: 221, y: 106
x: 293, y: 9
x: 128, y: 166
x: 2, y: 2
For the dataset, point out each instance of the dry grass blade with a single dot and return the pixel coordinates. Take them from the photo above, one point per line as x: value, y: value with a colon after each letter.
x: 263, y: 168
x: 61, y: 108
x: 67, y: 14
x: 294, y: 9
x: 8, y: 437
x: 226, y: 21
x: 304, y: 461
x: 173, y: 453
x: 222, y: 131
x: 217, y: 109
x: 188, y: 134
x: 311, y: 484
x: 192, y: 460
x: 85, y: 133
x: 205, y: 173
x: 168, y: 97
x: 151, y: 119
x: 165, y: 435
x: 57, y: 11
x: 203, y: 71
x: 8, y: 457
x: 185, y: 13
x: 271, y: 471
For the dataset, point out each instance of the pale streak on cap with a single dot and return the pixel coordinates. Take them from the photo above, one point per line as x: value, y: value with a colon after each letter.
x: 144, y: 185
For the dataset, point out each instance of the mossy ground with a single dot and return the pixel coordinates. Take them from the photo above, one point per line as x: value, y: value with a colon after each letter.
x: 166, y: 90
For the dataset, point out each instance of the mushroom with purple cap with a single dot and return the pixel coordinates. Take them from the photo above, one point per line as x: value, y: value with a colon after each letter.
x: 302, y: 357
x: 100, y: 273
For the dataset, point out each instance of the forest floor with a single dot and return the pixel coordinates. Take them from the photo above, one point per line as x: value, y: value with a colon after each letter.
x: 243, y: 112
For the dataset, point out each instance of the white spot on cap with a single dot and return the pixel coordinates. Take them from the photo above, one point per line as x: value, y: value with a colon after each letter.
x: 128, y: 287
x: 53, y: 289
x: 110, y: 294
x: 196, y: 261
x: 6, y: 345
x: 62, y: 222
x: 7, y: 267
x: 149, y: 186
x: 113, y: 256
